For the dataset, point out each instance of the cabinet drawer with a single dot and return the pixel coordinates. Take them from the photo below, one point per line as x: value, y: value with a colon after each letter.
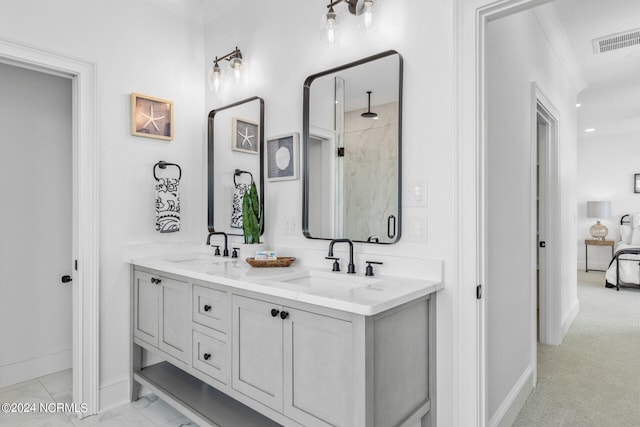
x: 210, y: 308
x: 210, y: 356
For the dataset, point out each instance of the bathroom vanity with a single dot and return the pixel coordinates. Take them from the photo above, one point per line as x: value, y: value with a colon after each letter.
x: 232, y: 345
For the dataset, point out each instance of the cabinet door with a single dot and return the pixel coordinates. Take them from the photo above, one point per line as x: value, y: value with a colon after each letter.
x: 318, y: 374
x: 145, y: 308
x: 257, y: 351
x: 174, y: 315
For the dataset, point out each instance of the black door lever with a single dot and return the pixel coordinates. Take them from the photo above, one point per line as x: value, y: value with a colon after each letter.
x: 66, y: 279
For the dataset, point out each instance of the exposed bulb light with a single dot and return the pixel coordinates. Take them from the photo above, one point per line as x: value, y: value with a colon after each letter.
x: 214, y: 76
x: 578, y: 105
x: 236, y: 65
x: 330, y: 28
x: 366, y: 10
x: 589, y: 130
x: 368, y: 22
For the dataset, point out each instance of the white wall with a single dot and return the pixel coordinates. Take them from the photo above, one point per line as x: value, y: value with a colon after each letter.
x: 518, y: 54
x: 281, y: 45
x: 138, y: 46
x: 606, y: 165
x: 35, y: 210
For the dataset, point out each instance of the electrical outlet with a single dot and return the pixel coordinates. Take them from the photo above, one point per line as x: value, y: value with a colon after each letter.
x: 290, y: 225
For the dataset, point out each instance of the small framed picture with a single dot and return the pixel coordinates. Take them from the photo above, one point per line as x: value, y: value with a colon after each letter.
x: 151, y: 117
x: 283, y: 157
x: 246, y: 136
x: 636, y: 183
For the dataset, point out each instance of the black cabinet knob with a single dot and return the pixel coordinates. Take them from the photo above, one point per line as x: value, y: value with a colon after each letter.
x: 153, y: 280
x: 274, y: 312
x: 207, y: 356
x: 207, y: 307
x: 284, y: 315
x: 66, y: 279
x: 158, y: 281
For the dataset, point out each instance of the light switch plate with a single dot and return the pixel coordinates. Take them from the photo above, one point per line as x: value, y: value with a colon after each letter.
x: 414, y: 228
x: 415, y: 193
x: 290, y: 225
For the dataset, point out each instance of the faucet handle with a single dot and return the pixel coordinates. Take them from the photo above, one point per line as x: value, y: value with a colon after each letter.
x: 336, y: 264
x: 370, y: 267
x: 217, y: 252
x: 234, y: 254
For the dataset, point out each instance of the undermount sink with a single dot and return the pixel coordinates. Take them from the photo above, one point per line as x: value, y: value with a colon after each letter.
x: 321, y: 283
x: 199, y: 258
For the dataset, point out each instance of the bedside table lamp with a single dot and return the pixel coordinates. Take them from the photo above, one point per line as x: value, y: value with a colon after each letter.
x: 598, y: 210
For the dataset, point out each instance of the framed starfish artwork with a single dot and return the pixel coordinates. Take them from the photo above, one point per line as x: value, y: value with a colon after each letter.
x: 151, y: 117
x: 245, y: 136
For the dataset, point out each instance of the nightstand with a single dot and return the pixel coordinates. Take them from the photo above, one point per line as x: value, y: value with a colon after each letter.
x: 592, y: 242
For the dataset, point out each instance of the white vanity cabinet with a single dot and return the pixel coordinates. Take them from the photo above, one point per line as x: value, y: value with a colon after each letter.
x: 294, y: 361
x: 161, y: 313
x: 232, y: 356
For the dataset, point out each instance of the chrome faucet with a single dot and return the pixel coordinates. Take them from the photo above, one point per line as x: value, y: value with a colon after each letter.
x: 351, y: 269
x: 225, y: 252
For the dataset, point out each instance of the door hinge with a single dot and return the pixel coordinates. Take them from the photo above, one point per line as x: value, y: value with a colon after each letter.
x: 479, y: 292
x: 340, y: 151
x: 76, y: 265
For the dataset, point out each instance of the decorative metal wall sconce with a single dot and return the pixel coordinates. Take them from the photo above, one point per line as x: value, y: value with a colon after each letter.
x: 330, y: 22
x: 215, y: 74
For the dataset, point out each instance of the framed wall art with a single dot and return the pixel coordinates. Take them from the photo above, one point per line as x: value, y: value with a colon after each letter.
x: 151, y: 117
x: 283, y: 157
x: 636, y: 183
x: 245, y: 136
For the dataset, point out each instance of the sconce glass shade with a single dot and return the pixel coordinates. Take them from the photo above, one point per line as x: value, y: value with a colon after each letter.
x: 330, y: 28
x: 369, y: 18
x: 598, y: 209
x: 214, y: 77
x: 236, y: 66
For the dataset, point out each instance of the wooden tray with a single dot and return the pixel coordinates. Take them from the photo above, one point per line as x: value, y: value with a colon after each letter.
x: 285, y: 261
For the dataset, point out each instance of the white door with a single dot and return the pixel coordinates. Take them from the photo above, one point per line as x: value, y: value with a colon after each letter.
x: 541, y: 224
x: 36, y: 219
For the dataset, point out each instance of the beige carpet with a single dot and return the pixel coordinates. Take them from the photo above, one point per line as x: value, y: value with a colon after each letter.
x: 593, y: 377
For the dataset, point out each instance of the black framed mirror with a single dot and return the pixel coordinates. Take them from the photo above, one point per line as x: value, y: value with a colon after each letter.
x: 352, y: 140
x: 235, y: 158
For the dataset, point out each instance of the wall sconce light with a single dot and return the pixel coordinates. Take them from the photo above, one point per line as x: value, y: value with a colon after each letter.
x: 215, y: 74
x: 330, y: 24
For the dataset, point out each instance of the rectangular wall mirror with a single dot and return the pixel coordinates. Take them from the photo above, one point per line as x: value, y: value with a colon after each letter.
x: 352, y: 138
x: 235, y: 157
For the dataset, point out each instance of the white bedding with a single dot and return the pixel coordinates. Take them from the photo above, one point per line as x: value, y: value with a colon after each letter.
x: 629, y: 266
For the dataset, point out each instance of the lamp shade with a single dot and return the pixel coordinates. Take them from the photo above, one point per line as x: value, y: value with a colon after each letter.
x: 599, y: 209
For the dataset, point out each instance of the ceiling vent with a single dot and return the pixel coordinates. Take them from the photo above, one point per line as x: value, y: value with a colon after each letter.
x: 616, y: 41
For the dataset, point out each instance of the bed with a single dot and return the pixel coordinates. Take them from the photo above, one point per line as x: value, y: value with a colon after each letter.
x: 624, y: 268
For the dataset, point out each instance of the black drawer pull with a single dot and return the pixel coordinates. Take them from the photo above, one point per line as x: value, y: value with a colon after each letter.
x: 207, y: 307
x: 207, y: 356
x: 284, y: 315
x: 274, y: 312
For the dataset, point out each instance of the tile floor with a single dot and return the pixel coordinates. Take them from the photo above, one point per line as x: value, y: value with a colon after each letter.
x: 149, y: 411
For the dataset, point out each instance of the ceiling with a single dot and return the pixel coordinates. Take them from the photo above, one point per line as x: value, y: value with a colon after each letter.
x: 611, y: 102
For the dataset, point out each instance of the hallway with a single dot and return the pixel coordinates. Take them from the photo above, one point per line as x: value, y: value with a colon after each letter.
x: 593, y: 377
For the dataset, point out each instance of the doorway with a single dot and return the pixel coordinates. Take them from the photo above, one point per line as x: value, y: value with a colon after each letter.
x: 546, y: 320
x: 36, y: 248
x: 85, y: 243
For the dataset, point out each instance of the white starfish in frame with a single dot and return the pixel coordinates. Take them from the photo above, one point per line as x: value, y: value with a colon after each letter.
x: 152, y: 119
x: 246, y: 138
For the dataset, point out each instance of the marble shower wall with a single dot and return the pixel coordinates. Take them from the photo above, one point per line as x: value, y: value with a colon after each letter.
x: 370, y: 172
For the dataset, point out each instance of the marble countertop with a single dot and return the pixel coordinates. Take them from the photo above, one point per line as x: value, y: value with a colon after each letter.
x: 354, y: 293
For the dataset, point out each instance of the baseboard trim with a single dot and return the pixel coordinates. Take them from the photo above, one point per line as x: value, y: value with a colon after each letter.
x: 37, y: 367
x: 114, y: 393
x: 513, y: 403
x: 568, y: 319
